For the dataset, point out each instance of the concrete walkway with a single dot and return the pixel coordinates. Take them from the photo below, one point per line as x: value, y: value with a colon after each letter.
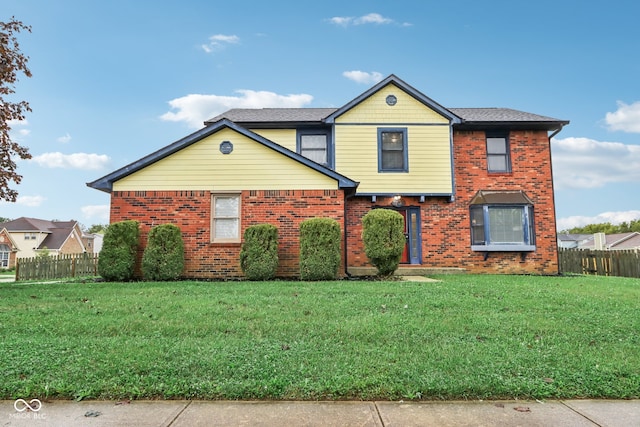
x: 566, y: 413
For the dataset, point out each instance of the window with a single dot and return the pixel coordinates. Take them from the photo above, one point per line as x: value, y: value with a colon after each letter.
x: 314, y: 145
x: 225, y: 227
x: 5, y: 251
x: 392, y: 150
x: 30, y: 236
x: 498, y: 159
x: 502, y: 221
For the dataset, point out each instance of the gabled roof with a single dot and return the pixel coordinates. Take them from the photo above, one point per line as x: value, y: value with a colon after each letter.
x: 392, y: 79
x: 57, y: 231
x: 462, y: 117
x: 106, y: 182
x: 4, y: 232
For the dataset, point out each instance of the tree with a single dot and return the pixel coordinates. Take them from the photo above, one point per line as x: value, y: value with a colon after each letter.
x: 12, y: 61
x: 97, y: 228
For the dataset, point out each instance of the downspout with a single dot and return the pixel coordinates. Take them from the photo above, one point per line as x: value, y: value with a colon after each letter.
x: 553, y: 198
x: 346, y: 249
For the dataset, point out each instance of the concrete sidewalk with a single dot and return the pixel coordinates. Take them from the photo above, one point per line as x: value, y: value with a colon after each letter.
x: 566, y: 413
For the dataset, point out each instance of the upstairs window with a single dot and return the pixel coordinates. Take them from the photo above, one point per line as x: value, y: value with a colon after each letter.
x: 502, y: 221
x: 314, y: 145
x: 498, y: 158
x: 392, y: 150
x: 225, y: 218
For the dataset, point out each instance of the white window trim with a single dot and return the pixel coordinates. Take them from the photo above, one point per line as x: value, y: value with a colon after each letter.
x: 215, y: 194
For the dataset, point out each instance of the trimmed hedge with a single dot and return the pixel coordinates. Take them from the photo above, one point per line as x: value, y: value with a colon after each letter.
x: 259, y: 253
x: 384, y: 240
x: 117, y: 259
x: 319, y: 249
x: 163, y: 258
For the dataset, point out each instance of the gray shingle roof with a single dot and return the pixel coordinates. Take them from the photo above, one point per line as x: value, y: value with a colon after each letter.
x: 299, y: 115
x: 270, y: 115
x: 499, y: 115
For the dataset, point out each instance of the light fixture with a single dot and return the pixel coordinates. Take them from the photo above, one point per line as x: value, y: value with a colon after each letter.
x: 396, y: 201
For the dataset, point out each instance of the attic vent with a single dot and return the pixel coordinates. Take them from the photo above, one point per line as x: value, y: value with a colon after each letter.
x: 226, y: 147
x: 391, y: 100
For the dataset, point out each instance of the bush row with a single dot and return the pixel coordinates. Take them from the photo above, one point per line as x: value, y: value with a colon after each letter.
x: 163, y: 257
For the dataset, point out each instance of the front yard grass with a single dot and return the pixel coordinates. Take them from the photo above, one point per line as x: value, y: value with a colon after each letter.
x: 466, y: 337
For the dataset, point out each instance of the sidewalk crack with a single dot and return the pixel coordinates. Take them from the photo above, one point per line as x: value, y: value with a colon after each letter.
x: 179, y: 413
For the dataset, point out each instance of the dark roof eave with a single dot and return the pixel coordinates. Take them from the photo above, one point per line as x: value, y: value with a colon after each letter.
x: 106, y: 182
x: 534, y: 125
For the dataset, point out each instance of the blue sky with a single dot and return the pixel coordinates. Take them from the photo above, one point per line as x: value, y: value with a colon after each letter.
x: 116, y: 80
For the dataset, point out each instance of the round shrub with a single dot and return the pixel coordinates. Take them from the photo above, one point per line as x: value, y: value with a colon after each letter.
x: 259, y: 253
x: 163, y: 258
x: 384, y: 240
x: 117, y: 259
x: 319, y: 249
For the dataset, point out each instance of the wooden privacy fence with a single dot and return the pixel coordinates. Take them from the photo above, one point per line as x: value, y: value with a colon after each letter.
x: 602, y: 263
x: 57, y: 267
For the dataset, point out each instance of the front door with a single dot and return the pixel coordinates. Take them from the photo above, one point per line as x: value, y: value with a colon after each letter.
x: 412, y: 250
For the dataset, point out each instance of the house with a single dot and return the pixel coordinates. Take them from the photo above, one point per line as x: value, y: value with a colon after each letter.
x: 31, y: 236
x: 8, y: 249
x: 473, y: 184
x: 601, y: 241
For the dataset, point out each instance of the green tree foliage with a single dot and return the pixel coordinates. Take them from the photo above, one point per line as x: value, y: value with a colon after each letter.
x: 607, y: 228
x: 97, y: 228
x: 12, y: 62
x: 163, y: 258
x: 259, y: 253
x: 117, y: 259
x: 384, y: 241
x: 319, y: 249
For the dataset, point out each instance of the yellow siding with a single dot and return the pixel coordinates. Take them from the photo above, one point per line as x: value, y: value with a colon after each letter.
x: 201, y: 166
x: 428, y: 137
x: 429, y: 160
x: 283, y: 137
x: 375, y: 110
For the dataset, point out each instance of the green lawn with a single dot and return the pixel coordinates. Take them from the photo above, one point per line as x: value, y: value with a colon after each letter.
x: 466, y: 337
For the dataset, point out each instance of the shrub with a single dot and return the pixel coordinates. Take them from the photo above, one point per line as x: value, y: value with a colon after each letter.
x: 319, y: 249
x: 163, y: 258
x: 259, y: 253
x: 384, y: 241
x: 117, y: 259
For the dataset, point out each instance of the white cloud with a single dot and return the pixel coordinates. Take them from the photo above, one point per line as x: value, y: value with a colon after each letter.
x: 626, y: 118
x: 18, y: 134
x: 218, y: 42
x: 371, y: 18
x: 84, y: 161
x: 363, y: 77
x: 30, y: 201
x: 587, y: 163
x: 194, y: 109
x: 99, y: 212
x: 611, y: 217
x: 64, y: 139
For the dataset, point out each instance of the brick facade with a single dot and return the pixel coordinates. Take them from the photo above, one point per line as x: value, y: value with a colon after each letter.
x: 445, y: 224
x: 191, y: 211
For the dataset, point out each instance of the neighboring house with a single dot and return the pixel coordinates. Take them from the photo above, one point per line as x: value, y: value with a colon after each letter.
x: 601, y: 241
x: 32, y: 235
x: 573, y: 241
x: 473, y: 184
x: 8, y: 249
